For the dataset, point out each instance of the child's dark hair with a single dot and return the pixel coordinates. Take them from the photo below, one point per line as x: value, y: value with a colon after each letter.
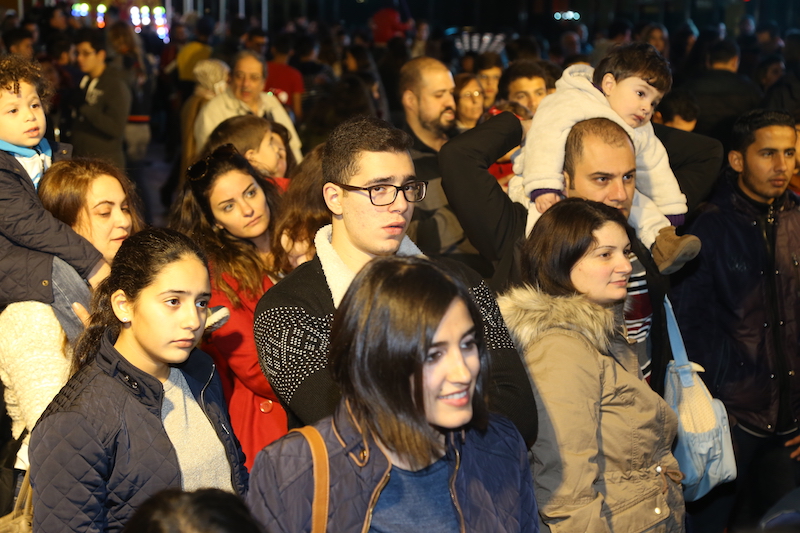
x: 14, y: 69
x: 678, y: 103
x: 15, y: 36
x: 635, y: 59
x: 137, y: 263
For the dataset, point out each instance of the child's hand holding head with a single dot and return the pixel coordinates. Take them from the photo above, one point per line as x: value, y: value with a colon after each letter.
x: 23, y: 88
x: 633, y: 77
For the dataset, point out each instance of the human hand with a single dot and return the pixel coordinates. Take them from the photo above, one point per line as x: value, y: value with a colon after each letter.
x: 546, y: 201
x: 794, y: 442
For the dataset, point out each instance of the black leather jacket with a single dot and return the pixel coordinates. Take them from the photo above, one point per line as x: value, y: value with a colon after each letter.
x: 739, y: 306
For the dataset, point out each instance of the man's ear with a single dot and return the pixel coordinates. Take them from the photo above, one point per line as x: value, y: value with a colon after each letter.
x: 608, y: 83
x: 122, y: 307
x: 736, y: 160
x: 658, y: 118
x: 567, y: 183
x: 409, y: 99
x: 332, y: 194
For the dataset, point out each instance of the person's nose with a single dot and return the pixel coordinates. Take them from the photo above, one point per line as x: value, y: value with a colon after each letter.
x: 624, y: 265
x: 400, y: 204
x: 457, y: 370
x: 781, y: 163
x: 618, y: 193
x: 194, y: 317
x: 122, y: 219
x: 247, y: 207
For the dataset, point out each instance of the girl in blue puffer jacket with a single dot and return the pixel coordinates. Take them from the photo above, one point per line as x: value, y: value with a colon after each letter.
x: 145, y: 411
x: 411, y: 446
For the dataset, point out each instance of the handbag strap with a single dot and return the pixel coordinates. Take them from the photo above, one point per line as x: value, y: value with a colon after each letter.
x: 683, y: 367
x: 24, y: 504
x: 319, y: 457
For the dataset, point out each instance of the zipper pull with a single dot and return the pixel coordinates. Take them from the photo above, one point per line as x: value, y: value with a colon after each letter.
x: 794, y: 260
x: 224, y: 427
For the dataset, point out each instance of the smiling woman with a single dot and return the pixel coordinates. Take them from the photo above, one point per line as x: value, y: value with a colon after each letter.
x: 411, y: 446
x: 602, y: 460
x: 230, y: 210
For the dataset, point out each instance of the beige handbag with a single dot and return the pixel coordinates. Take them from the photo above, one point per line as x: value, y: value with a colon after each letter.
x: 321, y: 471
x: 20, y: 520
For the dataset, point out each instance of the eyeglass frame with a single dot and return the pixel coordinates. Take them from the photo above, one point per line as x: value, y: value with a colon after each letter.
x: 473, y: 94
x: 397, y: 189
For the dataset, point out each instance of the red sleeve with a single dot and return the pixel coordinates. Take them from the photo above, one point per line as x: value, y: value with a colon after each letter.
x: 233, y: 347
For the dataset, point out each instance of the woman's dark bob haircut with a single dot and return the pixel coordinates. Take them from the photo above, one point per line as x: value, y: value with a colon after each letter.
x: 559, y: 239
x: 380, y: 339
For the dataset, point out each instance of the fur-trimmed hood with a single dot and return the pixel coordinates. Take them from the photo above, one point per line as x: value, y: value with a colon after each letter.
x: 530, y: 314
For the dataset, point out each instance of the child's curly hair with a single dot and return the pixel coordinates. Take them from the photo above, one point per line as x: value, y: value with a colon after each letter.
x: 14, y: 69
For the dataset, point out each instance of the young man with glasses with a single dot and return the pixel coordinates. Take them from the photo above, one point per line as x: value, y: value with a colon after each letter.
x: 371, y: 190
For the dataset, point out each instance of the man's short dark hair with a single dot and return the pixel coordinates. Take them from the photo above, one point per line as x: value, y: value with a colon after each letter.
x: 488, y: 60
x: 744, y: 130
x: 15, y: 36
x: 523, y: 68
x: 283, y: 43
x: 635, y: 59
x: 553, y: 72
x: 411, y: 73
x: 58, y: 45
x: 722, y: 51
x: 340, y: 157
x: 524, y: 47
x: 606, y: 130
x: 305, y: 45
x: 678, y: 103
x: 95, y: 37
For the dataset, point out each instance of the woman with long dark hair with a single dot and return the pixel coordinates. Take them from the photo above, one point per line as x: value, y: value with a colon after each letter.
x: 145, y: 411
x: 602, y: 460
x: 411, y: 446
x: 229, y: 210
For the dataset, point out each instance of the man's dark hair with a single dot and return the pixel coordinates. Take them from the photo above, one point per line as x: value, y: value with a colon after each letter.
x: 523, y: 68
x: 635, y: 59
x: 722, y: 51
x: 678, y: 103
x: 744, y: 130
x: 283, y: 43
x: 57, y: 45
x: 15, y: 36
x: 768, y: 26
x: 204, y: 26
x: 525, y: 47
x: 488, y: 60
x: 95, y: 37
x: 14, y: 69
x: 619, y: 27
x: 305, y: 46
x: 606, y: 130
x: 411, y: 74
x: 553, y: 72
x: 340, y: 158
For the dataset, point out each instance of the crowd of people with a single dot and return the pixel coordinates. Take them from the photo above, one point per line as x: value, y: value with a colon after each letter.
x: 403, y: 284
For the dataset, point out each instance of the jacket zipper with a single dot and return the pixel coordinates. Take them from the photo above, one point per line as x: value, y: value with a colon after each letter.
x: 462, y: 527
x: 373, y: 501
x: 221, y: 423
x: 780, y: 360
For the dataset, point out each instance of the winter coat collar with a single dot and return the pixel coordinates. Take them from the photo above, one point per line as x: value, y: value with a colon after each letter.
x: 337, y: 274
x: 198, y: 370
x: 530, y: 314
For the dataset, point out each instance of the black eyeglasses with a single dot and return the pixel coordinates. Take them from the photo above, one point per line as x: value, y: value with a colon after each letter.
x: 198, y: 171
x: 385, y: 194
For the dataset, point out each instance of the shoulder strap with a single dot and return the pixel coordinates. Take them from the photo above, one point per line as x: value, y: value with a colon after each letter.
x: 678, y: 348
x: 319, y: 456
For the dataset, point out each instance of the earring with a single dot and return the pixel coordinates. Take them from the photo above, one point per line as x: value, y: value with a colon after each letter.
x: 125, y: 320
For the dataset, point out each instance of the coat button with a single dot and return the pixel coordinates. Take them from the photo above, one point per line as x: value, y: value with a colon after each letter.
x: 766, y: 325
x: 769, y: 426
x: 772, y: 376
x: 791, y: 372
x: 658, y: 469
x: 45, y: 283
x: 658, y: 510
x: 265, y: 406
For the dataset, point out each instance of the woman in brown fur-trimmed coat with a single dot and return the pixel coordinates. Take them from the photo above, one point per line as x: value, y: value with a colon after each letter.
x: 602, y: 460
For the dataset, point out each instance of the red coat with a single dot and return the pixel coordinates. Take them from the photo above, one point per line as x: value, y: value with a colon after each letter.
x: 256, y: 415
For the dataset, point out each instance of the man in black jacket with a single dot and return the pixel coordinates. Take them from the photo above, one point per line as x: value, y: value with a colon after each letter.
x: 371, y: 190
x: 739, y: 310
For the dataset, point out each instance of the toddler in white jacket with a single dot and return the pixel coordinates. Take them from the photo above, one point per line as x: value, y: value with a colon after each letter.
x: 626, y: 87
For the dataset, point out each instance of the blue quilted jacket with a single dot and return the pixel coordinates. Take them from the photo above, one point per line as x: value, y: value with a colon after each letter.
x: 100, y: 450
x: 493, y: 488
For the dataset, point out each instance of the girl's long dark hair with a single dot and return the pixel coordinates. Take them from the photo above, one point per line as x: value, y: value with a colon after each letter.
x: 136, y: 265
x: 192, y: 216
x: 380, y: 338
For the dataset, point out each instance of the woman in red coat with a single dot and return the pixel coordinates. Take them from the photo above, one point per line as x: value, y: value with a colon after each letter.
x: 228, y: 209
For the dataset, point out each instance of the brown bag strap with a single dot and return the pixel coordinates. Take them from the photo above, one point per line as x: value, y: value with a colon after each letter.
x: 319, y: 456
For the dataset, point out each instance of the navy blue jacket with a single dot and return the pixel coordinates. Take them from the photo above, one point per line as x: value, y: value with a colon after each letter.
x: 490, y: 479
x: 100, y: 449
